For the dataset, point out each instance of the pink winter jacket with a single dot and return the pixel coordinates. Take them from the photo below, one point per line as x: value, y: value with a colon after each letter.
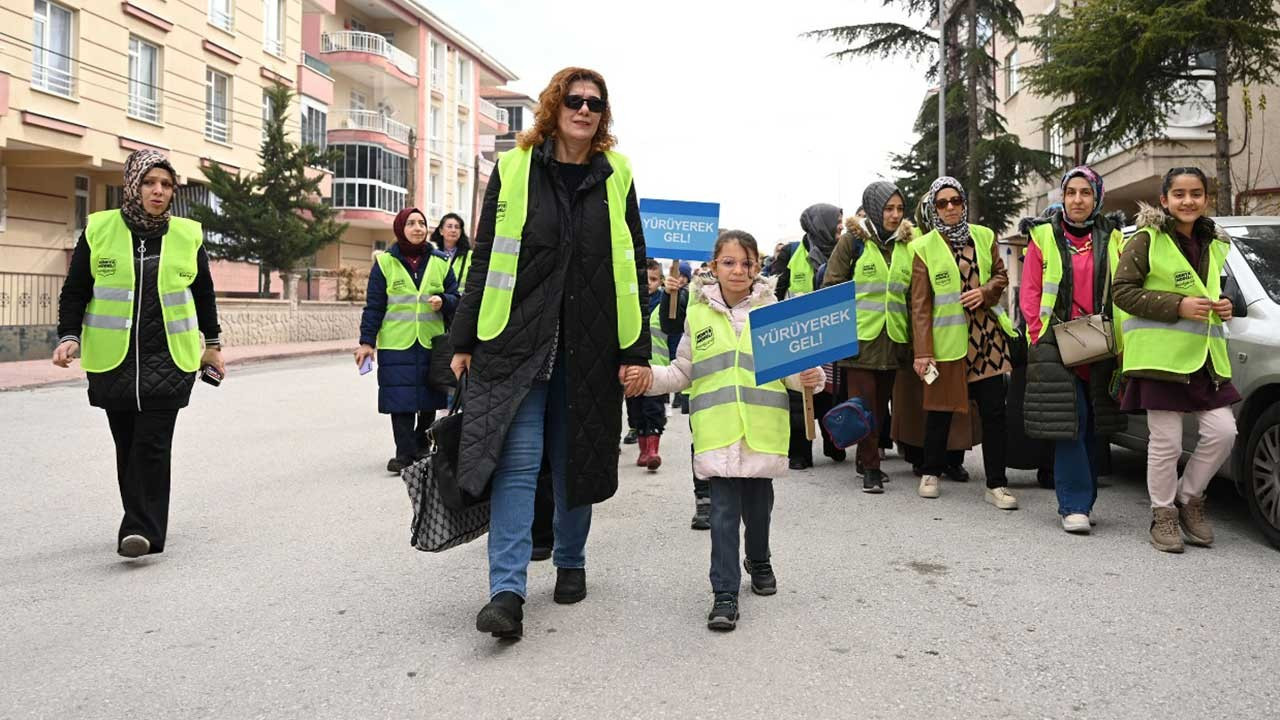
x: 737, y: 460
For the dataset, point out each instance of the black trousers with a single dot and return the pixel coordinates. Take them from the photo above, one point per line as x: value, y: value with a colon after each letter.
x: 745, y: 503
x: 990, y: 394
x: 646, y: 415
x: 701, y: 487
x: 144, y: 447
x: 801, y: 448
x: 410, y: 438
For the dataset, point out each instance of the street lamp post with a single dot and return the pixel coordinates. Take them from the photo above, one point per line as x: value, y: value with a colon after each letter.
x: 942, y: 89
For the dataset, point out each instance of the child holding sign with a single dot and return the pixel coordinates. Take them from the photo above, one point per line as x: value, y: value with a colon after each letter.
x: 740, y: 429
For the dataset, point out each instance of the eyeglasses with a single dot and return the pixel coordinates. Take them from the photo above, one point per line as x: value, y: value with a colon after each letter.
x: 955, y: 202
x: 730, y: 264
x: 594, y: 104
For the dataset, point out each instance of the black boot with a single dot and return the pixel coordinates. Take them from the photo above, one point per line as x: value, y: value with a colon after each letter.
x: 763, y: 581
x: 873, y: 481
x: 503, y: 617
x: 724, y: 612
x: 956, y: 473
x: 571, y: 585
x: 396, y: 464
x: 701, y: 516
x: 633, y: 437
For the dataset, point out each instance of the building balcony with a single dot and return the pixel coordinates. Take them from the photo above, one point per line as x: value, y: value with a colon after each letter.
x: 367, y: 57
x: 347, y: 125
x: 484, y: 167
x: 493, y: 119
x: 367, y: 203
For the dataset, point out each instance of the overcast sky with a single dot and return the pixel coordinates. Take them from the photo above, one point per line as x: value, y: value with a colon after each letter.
x: 720, y: 101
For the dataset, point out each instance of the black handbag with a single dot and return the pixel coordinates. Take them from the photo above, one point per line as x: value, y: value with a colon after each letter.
x: 443, y: 515
x: 439, y: 375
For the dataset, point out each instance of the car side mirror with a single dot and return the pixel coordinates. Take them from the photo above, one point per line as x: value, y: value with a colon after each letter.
x: 1231, y: 291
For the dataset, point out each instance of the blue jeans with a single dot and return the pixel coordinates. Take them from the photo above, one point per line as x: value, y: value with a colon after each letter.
x: 1075, y: 469
x: 541, y: 420
x: 738, y: 502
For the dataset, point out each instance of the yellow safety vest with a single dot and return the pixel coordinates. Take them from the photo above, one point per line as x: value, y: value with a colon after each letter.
x: 104, y: 338
x: 504, y: 260
x: 461, y: 266
x: 950, y: 322
x: 1043, y: 236
x: 1181, y: 346
x: 409, y: 315
x: 725, y: 403
x: 660, y: 354
x: 881, y: 292
x: 801, y: 272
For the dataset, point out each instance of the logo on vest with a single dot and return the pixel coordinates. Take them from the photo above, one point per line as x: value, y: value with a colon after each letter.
x: 704, y: 338
x: 399, y: 284
x: 942, y: 278
x: 869, y: 270
x: 1184, y: 280
x: 501, y: 214
x: 187, y: 275
x: 106, y: 267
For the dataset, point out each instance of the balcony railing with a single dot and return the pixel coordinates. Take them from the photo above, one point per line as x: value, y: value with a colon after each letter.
x: 484, y: 166
x: 144, y: 108
x: 361, y: 194
x: 52, y: 79
x: 218, y: 130
x: 345, y: 119
x: 219, y: 18
x: 372, y: 43
x: 493, y: 112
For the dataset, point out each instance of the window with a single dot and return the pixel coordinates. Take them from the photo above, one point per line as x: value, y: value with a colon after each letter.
x: 268, y: 112
x: 358, y: 100
x: 1011, y: 74
x: 435, y: 191
x: 82, y: 203
x: 434, y: 128
x: 51, y: 49
x: 314, y: 124
x: 220, y: 13
x: 370, y: 177
x: 1053, y: 144
x: 463, y: 143
x: 217, y: 98
x: 144, y: 76
x: 461, y: 201
x: 464, y: 81
x: 273, y: 26
x: 4, y: 196
x: 115, y: 197
x: 437, y: 64
x: 515, y: 119
x: 357, y: 26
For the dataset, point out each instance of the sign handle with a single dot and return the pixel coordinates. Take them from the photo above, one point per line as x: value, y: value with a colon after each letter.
x: 675, y: 298
x: 808, y: 414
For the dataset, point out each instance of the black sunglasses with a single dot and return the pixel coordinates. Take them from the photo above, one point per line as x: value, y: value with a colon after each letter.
x: 956, y: 202
x: 594, y: 104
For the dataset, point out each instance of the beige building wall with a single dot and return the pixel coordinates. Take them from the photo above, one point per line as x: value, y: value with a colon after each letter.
x: 49, y: 138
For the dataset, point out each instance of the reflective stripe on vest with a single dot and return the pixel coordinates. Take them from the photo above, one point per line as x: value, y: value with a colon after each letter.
x: 409, y: 314
x: 882, y: 292
x: 1043, y: 236
x: 801, y: 281
x: 1182, y: 346
x: 660, y: 354
x: 504, y: 259
x: 725, y: 404
x: 104, y: 337
x: 950, y: 321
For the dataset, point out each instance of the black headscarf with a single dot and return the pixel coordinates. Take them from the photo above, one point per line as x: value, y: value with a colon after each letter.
x: 874, y: 198
x: 820, y: 224
x: 136, y: 217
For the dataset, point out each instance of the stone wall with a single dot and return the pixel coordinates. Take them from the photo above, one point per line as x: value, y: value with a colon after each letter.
x: 261, y: 322
x: 27, y: 342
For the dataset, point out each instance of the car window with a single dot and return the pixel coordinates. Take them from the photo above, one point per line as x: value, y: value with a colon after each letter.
x: 1259, y: 245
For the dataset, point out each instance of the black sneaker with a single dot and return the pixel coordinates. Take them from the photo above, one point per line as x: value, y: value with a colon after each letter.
x: 571, y: 585
x: 503, y: 617
x: 873, y: 481
x: 724, y: 612
x: 799, y: 464
x: 837, y: 455
x: 701, y: 517
x: 956, y: 473
x: 633, y: 437
x: 763, y: 581
x: 395, y: 464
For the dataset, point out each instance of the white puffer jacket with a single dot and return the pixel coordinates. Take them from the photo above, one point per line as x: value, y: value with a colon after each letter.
x: 737, y: 460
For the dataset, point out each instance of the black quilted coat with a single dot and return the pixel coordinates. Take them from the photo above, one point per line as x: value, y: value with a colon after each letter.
x: 565, y: 277
x: 1050, y: 406
x: 147, y: 378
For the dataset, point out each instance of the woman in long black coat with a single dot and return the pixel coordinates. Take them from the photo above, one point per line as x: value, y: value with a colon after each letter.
x: 555, y: 374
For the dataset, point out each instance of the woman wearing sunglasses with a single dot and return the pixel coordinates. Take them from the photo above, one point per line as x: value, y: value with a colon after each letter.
x: 550, y: 326
x: 961, y: 336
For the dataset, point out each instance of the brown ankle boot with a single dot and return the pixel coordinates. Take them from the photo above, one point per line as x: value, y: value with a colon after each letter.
x: 1165, y: 535
x: 1194, y: 523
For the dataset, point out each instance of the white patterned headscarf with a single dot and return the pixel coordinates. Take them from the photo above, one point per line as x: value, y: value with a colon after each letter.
x: 957, y: 234
x: 136, y: 167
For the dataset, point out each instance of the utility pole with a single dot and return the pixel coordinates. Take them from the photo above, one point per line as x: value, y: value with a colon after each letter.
x: 942, y: 88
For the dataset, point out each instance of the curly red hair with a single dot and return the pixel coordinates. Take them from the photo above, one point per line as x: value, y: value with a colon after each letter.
x: 551, y: 99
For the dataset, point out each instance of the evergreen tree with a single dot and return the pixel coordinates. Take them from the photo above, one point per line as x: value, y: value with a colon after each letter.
x: 276, y: 217
x: 1121, y: 67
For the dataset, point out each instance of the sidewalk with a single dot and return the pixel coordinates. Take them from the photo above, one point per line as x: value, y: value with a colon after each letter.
x: 35, y: 373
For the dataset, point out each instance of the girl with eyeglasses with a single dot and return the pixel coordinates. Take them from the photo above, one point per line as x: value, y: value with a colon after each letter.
x: 961, y: 336
x: 739, y: 428
x: 1175, y: 358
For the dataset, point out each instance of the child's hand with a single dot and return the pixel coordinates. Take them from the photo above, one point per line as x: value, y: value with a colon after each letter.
x: 814, y: 378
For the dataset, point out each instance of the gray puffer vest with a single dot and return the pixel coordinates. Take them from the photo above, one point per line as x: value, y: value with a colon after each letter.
x: 1050, y: 409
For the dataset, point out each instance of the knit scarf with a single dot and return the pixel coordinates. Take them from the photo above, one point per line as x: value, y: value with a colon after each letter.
x: 136, y: 217
x: 957, y: 234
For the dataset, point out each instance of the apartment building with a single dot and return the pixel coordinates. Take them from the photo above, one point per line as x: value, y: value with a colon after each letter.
x: 1134, y: 173
x: 403, y: 103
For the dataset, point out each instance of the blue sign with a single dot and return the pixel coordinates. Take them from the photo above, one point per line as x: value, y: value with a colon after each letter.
x: 679, y: 230
x: 804, y: 332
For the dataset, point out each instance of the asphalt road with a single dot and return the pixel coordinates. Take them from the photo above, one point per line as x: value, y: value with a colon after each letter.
x: 288, y: 589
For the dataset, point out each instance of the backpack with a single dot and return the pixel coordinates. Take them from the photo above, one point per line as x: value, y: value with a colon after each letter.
x: 848, y: 423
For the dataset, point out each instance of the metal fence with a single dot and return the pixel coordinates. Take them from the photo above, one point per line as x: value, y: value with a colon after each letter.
x: 29, y: 298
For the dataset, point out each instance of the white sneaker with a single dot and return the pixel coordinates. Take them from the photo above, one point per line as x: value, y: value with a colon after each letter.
x: 1076, y: 523
x: 928, y: 486
x: 1002, y: 498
